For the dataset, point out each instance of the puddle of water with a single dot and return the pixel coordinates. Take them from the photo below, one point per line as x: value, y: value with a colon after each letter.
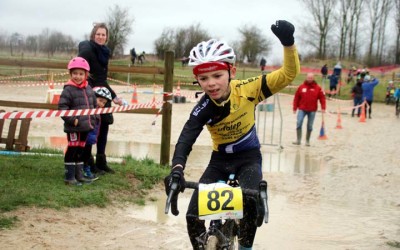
x: 273, y: 160
x: 299, y: 162
x: 296, y: 226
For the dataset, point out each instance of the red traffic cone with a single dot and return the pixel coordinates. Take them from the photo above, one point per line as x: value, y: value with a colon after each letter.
x: 339, y: 120
x: 134, y: 99
x: 362, y: 115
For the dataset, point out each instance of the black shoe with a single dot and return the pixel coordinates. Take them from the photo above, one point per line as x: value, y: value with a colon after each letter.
x: 101, y: 163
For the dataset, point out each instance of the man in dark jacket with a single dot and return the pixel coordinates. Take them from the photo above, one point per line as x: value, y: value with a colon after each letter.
x: 357, y: 93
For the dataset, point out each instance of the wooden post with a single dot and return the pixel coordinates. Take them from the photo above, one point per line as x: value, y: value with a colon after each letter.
x: 167, y: 108
x: 22, y: 143
x: 11, y: 134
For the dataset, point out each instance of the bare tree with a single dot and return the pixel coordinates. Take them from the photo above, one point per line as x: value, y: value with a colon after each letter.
x: 377, y: 11
x: 164, y: 42
x: 321, y: 12
x: 181, y: 40
x: 397, y: 27
x: 16, y: 42
x: 355, y: 15
x: 345, y: 23
x: 386, y: 5
x: 32, y: 43
x: 252, y: 43
x: 120, y: 26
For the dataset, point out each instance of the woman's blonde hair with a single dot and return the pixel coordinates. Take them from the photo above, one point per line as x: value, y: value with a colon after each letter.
x: 97, y: 26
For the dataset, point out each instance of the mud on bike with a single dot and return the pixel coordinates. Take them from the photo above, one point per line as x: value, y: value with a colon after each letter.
x: 222, y: 204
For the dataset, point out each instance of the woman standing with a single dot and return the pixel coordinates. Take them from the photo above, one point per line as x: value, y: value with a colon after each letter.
x: 97, y: 54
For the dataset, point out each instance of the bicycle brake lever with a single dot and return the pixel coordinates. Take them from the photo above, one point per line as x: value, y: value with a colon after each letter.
x: 174, y: 187
x: 264, y: 197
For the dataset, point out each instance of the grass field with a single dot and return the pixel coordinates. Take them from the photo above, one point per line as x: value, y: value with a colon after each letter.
x: 37, y: 180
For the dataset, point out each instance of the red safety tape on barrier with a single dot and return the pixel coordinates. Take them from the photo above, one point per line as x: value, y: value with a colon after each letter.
x: 31, y: 75
x: 33, y: 84
x: 69, y: 113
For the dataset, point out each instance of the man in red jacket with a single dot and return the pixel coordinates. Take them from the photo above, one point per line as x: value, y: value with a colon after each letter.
x: 306, y: 101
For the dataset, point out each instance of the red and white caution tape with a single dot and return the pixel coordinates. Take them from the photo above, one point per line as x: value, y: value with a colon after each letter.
x: 78, y: 112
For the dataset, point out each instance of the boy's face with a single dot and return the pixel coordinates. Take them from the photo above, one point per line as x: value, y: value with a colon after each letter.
x: 101, y: 102
x: 78, y: 75
x: 216, y: 83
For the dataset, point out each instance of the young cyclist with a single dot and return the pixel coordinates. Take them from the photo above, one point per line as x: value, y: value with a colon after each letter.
x: 77, y: 94
x: 228, y: 111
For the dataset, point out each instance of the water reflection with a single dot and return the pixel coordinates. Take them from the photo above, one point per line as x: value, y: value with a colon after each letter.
x: 274, y: 159
x: 299, y: 162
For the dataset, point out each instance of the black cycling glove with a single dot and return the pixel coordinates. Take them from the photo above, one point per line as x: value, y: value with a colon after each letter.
x: 284, y: 31
x: 177, y: 172
x: 176, y: 177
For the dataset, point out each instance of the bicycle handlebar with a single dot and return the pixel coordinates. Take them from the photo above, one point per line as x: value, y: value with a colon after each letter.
x: 261, y: 193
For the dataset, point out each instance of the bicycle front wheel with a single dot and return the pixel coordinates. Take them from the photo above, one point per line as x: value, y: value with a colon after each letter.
x: 212, y: 243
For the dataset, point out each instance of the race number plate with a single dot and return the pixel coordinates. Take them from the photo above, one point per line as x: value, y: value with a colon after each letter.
x: 220, y: 201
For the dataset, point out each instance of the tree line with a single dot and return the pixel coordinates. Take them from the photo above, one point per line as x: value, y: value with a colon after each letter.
x: 366, y: 31
x: 358, y: 30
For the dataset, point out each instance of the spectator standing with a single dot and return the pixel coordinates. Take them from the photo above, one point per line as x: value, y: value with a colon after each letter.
x: 357, y: 93
x: 368, y: 92
x: 324, y: 74
x: 77, y: 94
x: 337, y: 70
x: 97, y: 54
x: 103, y: 95
x: 324, y: 71
x: 263, y: 63
x: 133, y: 56
x: 142, y: 57
x: 333, y: 82
x: 306, y: 104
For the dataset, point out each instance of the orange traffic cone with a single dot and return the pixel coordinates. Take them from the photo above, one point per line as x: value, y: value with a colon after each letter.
x: 362, y: 115
x: 339, y: 120
x: 56, y: 98
x: 322, y: 135
x: 134, y: 99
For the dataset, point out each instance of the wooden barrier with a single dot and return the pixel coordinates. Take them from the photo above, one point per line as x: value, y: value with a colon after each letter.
x: 167, y: 71
x: 21, y: 142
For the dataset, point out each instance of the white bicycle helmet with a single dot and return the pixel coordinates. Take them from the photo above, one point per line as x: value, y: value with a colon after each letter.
x: 102, y: 92
x: 210, y: 56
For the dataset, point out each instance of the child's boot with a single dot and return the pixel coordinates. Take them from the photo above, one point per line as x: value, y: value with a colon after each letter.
x: 88, y: 174
x: 70, y: 174
x: 79, y: 173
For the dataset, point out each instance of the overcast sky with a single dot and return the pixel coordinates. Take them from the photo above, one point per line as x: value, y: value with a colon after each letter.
x: 221, y: 18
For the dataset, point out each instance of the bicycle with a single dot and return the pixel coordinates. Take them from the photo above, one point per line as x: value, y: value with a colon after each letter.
x: 223, y: 229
